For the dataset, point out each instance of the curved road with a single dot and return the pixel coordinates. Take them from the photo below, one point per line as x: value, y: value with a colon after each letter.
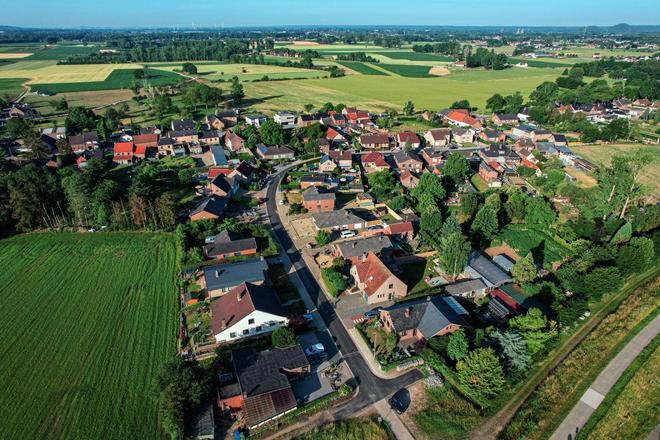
x: 371, y: 388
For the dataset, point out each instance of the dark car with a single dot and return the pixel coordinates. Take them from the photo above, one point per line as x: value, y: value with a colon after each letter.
x: 400, y: 401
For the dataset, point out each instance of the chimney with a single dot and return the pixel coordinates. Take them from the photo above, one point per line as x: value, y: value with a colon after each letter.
x: 223, y: 324
x: 408, y: 311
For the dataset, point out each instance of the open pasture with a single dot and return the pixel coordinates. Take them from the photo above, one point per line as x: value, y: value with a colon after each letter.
x: 11, y: 87
x: 362, y: 68
x: 118, y: 79
x: 88, y: 321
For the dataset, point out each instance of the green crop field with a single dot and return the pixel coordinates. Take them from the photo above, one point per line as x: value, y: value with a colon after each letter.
x: 247, y: 72
x: 11, y: 87
x: 88, y: 320
x: 546, y: 62
x: 118, y: 79
x: 407, y: 70
x: 363, y: 68
x: 62, y: 52
x: 415, y: 56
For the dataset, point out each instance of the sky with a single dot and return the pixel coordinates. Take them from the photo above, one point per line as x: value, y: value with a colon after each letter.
x: 209, y: 13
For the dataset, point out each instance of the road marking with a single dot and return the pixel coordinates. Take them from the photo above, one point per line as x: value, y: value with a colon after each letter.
x: 592, y: 398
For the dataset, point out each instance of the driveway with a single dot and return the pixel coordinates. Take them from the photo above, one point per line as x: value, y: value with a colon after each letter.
x: 349, y: 306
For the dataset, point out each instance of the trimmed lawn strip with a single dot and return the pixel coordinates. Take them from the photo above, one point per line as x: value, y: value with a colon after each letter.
x: 623, y: 394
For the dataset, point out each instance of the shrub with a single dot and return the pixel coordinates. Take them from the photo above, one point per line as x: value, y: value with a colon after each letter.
x: 284, y: 337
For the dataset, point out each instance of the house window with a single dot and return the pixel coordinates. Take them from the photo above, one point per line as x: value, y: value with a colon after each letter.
x: 246, y: 332
x: 391, y: 286
x: 232, y: 335
x: 258, y: 328
x: 414, y: 332
x: 250, y: 321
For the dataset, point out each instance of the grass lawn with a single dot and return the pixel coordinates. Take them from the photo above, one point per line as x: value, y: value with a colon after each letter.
x: 118, y: 79
x: 479, y: 183
x: 88, y: 321
x: 545, y: 249
x: 85, y: 99
x: 362, y: 68
x: 630, y: 409
x: 602, y: 155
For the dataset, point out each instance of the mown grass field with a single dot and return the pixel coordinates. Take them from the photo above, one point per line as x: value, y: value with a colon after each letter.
x: 11, y: 87
x: 602, y: 155
x: 118, y: 79
x: 88, y: 320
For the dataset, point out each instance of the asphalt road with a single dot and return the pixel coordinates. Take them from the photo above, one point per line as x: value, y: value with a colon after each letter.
x: 372, y: 388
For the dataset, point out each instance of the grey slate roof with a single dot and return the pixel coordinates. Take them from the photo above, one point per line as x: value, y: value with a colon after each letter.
x: 463, y: 287
x: 260, y: 373
x: 482, y: 268
x: 504, y: 262
x: 429, y: 316
x: 227, y: 243
x: 362, y: 246
x: 312, y: 193
x: 334, y: 219
x: 215, y: 205
x: 223, y: 276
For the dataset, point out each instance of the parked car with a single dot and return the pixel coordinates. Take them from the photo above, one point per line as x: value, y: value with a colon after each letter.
x: 400, y: 401
x: 308, y: 317
x: 314, y: 350
x: 348, y: 234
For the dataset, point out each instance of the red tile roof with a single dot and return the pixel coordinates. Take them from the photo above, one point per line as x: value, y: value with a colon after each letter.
x: 508, y: 300
x: 407, y: 136
x: 460, y: 116
x: 215, y: 172
x: 400, y: 228
x: 372, y: 272
x: 375, y: 159
x: 141, y: 150
x: 123, y: 147
x: 149, y: 138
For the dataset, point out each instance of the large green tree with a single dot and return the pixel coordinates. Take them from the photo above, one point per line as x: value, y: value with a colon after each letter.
x: 535, y: 328
x: 271, y: 133
x: 480, y: 371
x: 457, y: 347
x: 524, y: 271
x: 456, y: 167
x: 512, y: 349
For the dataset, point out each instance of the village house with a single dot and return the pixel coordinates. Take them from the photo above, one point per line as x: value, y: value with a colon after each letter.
x: 286, y: 120
x: 218, y: 156
x: 374, y: 141
x: 407, y: 139
x: 365, y: 201
x: 323, y: 145
x: 471, y: 289
x: 376, y: 282
x: 211, y: 208
x: 326, y: 164
x: 489, y: 135
x: 149, y: 140
x: 55, y: 133
x: 358, y: 249
x: 228, y: 244
x: 223, y: 186
x: 316, y: 180
x: 165, y: 146
x: 221, y: 278
x: 182, y: 125
x: 408, y: 179
x: 123, y: 153
x: 504, y: 119
x: 22, y: 111
x: 462, y: 135
x: 307, y: 120
x: 246, y: 310
x: 275, y: 153
x: 373, y: 162
x: 314, y: 200
x: 407, y: 160
x: 489, y: 175
x: 184, y: 136
x: 422, y: 319
x: 337, y: 220
x: 344, y: 159
x: 209, y: 137
x: 335, y: 136
x: 85, y: 156
x: 234, y: 142
x: 255, y: 120
x: 264, y: 378
x: 243, y: 172
x: 536, y: 134
x: 480, y: 267
x: 86, y: 141
x: 403, y: 230
x: 437, y: 137
x: 462, y: 118
x: 433, y: 156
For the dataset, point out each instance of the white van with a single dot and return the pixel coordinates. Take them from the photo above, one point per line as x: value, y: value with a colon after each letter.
x: 348, y: 234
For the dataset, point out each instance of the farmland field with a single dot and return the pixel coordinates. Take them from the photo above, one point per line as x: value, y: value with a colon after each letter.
x: 50, y: 72
x: 362, y: 68
x: 118, y: 79
x: 247, y: 72
x: 11, y: 87
x: 602, y: 155
x: 38, y: 52
x: 88, y: 321
x: 409, y: 71
x: 415, y: 56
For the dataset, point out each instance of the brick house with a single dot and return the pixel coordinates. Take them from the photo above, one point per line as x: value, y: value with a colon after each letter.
x: 316, y: 201
x: 123, y: 153
x: 408, y: 179
x: 86, y: 141
x: 407, y: 138
x: 373, y: 162
x: 234, y: 142
x: 376, y: 282
x: 504, y: 119
x: 374, y: 141
x: 406, y: 160
x: 148, y: 140
x: 437, y: 137
x: 227, y: 244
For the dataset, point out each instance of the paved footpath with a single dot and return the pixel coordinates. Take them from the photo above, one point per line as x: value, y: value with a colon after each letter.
x: 396, y: 425
x: 593, y: 397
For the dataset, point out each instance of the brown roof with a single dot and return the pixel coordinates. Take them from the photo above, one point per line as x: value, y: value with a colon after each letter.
x: 148, y: 138
x: 407, y: 136
x: 375, y: 159
x: 240, y: 301
x: 438, y: 134
x: 372, y: 272
x: 374, y: 138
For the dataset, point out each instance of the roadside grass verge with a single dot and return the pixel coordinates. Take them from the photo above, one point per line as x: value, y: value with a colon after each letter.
x: 630, y: 408
x: 557, y: 393
x: 363, y: 68
x: 118, y: 79
x: 408, y: 70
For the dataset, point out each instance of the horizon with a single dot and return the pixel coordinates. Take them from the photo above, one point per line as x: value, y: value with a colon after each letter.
x: 76, y: 14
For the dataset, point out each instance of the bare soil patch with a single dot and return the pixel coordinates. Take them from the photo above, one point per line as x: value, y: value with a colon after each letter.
x: 439, y: 71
